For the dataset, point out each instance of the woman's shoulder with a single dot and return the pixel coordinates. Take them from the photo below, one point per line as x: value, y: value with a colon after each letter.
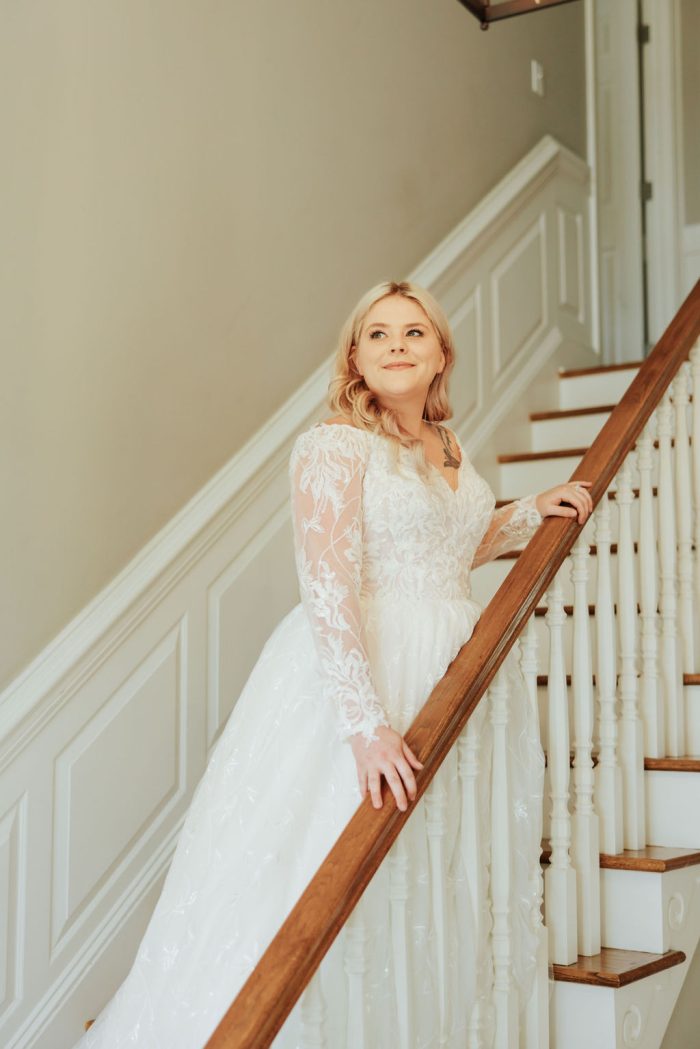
x: 337, y: 435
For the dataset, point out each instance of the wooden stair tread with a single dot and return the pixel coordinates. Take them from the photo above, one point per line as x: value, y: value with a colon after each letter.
x: 691, y: 763
x: 541, y: 610
x: 568, y: 413
x: 611, y: 495
x: 571, y: 373
x: 593, y: 550
x: 594, y: 762
x: 654, y: 858
x: 543, y: 680
x: 559, y: 453
x: 616, y: 968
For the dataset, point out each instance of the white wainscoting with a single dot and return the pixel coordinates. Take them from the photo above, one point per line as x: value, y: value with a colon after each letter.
x: 104, y: 737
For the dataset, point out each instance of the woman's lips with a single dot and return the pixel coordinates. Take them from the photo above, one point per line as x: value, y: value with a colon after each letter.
x: 389, y: 366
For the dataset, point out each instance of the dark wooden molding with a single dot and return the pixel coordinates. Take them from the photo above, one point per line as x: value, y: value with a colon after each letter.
x: 488, y: 13
x: 616, y: 968
x: 276, y: 983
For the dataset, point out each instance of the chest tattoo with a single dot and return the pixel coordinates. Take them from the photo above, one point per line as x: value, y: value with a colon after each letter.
x: 447, y: 447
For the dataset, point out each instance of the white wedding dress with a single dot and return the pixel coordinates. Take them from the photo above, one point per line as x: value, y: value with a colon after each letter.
x: 384, y: 560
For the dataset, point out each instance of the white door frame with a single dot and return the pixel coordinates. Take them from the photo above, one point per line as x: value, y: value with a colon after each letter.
x: 614, y: 113
x: 663, y: 156
x: 592, y: 161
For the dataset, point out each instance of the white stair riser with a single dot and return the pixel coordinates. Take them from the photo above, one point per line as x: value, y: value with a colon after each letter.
x: 692, y: 716
x: 648, y: 911
x: 534, y: 475
x: 585, y: 391
x: 546, y: 435
x: 487, y: 579
x: 673, y: 809
x: 636, y: 1015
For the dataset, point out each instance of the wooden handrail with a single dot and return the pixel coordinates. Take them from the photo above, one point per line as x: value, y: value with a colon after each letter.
x: 272, y: 989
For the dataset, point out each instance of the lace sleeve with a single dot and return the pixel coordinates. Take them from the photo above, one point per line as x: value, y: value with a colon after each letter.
x: 326, y: 468
x: 510, y: 527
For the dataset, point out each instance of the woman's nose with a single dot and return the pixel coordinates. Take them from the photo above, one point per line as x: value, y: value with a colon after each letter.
x: 398, y: 347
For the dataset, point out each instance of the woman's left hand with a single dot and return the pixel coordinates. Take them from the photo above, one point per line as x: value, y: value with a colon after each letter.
x: 549, y: 503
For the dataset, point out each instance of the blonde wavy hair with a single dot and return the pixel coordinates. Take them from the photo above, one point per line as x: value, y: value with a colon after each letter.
x: 349, y: 395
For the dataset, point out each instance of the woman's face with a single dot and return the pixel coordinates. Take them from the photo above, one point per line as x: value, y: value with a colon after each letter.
x: 398, y: 352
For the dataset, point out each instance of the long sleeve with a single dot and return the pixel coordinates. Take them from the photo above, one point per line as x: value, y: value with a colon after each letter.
x: 326, y: 468
x: 510, y: 527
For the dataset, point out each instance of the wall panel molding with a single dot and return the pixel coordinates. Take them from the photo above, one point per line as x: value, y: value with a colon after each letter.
x: 13, y: 900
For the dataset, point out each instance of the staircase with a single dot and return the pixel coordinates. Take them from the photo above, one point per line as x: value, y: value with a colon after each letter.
x: 623, y: 994
x: 600, y: 624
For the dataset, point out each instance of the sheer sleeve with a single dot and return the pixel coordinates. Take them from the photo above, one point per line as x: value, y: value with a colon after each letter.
x: 326, y: 468
x: 510, y: 527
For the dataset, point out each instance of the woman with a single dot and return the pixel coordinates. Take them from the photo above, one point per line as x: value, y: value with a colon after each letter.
x: 389, y: 518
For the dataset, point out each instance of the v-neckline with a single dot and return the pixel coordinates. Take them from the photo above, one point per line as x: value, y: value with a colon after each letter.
x: 454, y: 491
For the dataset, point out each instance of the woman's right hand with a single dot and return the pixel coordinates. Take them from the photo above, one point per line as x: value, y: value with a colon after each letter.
x: 389, y: 756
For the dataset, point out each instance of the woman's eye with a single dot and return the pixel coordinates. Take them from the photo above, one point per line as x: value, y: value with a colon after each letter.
x: 373, y: 333
x: 416, y: 330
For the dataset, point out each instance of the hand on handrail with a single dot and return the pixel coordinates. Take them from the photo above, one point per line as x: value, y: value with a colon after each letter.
x: 389, y: 756
x: 553, y: 502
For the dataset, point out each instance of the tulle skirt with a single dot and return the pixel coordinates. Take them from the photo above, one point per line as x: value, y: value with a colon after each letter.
x: 279, y: 787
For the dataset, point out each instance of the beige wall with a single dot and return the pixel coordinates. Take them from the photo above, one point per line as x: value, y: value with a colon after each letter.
x: 192, y: 196
x: 690, y: 66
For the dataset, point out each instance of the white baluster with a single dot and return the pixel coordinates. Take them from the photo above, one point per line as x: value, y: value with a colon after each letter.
x: 398, y: 897
x: 436, y: 826
x: 355, y: 961
x: 537, y: 1009
x: 695, y: 371
x: 671, y: 674
x: 585, y: 848
x: 475, y: 1034
x: 313, y: 1014
x: 631, y: 735
x: 560, y: 877
x: 608, y: 776
x: 504, y: 991
x: 651, y: 699
x: 684, y: 517
x: 472, y: 848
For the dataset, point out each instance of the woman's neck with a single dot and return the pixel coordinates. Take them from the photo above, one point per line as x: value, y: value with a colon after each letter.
x: 410, y: 418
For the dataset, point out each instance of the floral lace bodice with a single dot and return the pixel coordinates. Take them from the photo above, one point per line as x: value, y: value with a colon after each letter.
x: 366, y: 531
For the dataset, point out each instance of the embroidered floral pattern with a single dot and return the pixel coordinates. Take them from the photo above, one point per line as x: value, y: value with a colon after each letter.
x: 407, y: 539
